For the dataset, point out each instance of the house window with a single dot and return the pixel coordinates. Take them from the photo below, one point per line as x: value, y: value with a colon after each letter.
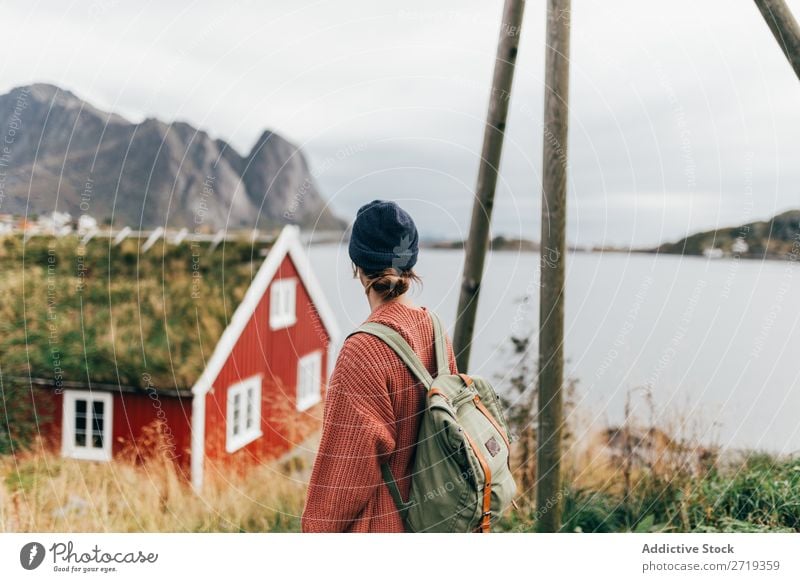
x: 282, y: 312
x: 86, y: 427
x: 309, y: 380
x: 244, y: 413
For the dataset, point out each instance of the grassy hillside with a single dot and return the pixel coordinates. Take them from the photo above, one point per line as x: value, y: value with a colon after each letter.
x: 772, y: 239
x: 114, y: 314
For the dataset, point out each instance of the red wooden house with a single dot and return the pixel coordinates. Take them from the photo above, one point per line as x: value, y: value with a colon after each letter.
x: 230, y: 377
x: 280, y: 338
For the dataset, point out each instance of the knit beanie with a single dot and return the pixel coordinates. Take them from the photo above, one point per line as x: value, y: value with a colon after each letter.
x: 383, y: 236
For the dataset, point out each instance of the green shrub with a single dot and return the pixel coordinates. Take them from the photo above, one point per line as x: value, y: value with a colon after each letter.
x: 21, y: 417
x: 759, y: 493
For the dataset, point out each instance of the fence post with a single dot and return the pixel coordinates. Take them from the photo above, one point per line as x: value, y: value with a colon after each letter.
x: 553, y: 237
x: 494, y: 132
x: 785, y: 29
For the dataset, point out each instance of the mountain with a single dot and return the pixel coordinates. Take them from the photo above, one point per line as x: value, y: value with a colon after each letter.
x: 777, y: 238
x: 58, y: 152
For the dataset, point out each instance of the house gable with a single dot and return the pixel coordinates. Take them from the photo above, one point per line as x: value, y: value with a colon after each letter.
x: 248, y: 345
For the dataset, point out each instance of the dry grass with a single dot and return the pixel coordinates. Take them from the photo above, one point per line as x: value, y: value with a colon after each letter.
x: 42, y: 492
x: 642, y: 479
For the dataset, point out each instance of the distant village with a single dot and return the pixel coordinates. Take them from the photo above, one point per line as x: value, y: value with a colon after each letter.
x: 60, y: 224
x: 52, y: 224
x: 87, y: 227
x: 739, y: 247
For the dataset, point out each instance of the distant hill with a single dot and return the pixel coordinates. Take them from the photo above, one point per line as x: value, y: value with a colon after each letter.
x: 498, y: 243
x: 67, y: 155
x: 771, y: 239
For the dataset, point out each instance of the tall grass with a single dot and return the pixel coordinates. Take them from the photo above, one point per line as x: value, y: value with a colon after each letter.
x: 657, y: 471
x: 42, y: 492
x: 752, y: 493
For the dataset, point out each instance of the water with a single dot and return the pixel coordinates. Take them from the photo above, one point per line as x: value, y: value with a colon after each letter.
x: 717, y: 341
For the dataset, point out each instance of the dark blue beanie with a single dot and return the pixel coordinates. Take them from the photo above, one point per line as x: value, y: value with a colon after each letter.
x: 383, y: 236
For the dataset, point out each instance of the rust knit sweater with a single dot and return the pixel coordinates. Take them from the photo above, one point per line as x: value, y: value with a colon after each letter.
x: 372, y: 414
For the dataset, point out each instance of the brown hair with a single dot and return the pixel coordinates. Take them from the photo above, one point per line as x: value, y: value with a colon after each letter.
x: 389, y: 283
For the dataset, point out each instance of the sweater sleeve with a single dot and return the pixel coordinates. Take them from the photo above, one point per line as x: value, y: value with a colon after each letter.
x: 357, y: 433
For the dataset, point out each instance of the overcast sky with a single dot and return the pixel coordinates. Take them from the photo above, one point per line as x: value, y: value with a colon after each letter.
x: 684, y: 114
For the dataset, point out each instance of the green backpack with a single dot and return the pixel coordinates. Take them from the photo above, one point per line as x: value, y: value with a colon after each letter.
x: 461, y: 478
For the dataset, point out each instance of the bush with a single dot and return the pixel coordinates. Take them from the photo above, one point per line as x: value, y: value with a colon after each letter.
x: 759, y: 493
x: 20, y: 417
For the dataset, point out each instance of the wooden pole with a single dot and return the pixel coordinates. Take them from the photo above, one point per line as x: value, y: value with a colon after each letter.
x: 785, y: 29
x: 551, y: 300
x: 478, y: 239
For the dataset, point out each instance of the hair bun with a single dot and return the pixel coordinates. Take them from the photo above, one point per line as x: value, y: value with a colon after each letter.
x: 390, y: 283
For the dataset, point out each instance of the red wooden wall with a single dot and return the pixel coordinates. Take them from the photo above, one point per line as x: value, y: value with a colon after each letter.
x: 134, y: 419
x: 274, y: 354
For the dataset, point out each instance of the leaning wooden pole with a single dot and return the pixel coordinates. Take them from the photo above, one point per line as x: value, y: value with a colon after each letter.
x: 785, y: 29
x: 553, y: 239
x: 478, y: 240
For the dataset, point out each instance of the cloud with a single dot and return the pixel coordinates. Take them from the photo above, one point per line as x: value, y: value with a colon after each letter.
x: 668, y: 102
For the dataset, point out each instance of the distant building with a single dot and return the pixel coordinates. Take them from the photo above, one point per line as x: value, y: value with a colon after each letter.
x: 712, y: 253
x: 25, y: 225
x: 7, y: 223
x: 739, y: 246
x: 86, y: 224
x: 56, y: 223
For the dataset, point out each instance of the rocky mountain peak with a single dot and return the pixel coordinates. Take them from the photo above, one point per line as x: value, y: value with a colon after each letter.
x: 68, y: 155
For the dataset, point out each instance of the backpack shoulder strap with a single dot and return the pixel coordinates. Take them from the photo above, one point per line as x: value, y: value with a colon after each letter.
x: 440, y: 346
x: 400, y: 346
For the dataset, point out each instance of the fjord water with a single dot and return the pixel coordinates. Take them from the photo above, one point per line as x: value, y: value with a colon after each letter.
x: 717, y: 342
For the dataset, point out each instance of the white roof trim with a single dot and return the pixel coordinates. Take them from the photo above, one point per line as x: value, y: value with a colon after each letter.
x: 197, y: 458
x: 288, y: 243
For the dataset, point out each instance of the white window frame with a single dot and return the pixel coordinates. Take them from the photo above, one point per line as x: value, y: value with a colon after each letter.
x: 309, y: 388
x: 68, y: 446
x: 238, y: 434
x: 283, y: 303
